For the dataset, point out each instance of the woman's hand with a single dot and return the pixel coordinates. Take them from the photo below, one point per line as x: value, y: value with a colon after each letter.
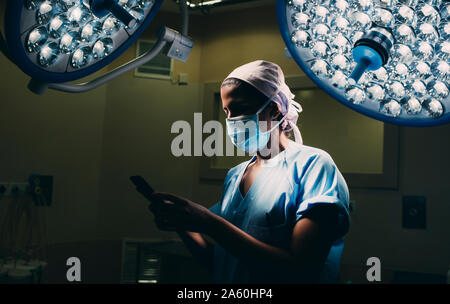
x: 173, y: 212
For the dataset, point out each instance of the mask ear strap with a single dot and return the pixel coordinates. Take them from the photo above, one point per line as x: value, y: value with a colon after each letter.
x: 278, y: 123
x: 281, y: 120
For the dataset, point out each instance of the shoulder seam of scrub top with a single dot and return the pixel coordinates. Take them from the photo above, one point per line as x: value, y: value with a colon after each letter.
x: 296, y: 148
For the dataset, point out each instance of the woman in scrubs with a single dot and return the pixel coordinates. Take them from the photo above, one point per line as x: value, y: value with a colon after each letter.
x: 283, y: 214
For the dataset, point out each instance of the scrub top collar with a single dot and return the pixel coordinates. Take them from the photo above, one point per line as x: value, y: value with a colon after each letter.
x: 280, y: 157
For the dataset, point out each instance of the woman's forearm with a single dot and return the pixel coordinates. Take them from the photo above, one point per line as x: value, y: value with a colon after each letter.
x: 310, y: 244
x: 244, y: 246
x: 199, y: 247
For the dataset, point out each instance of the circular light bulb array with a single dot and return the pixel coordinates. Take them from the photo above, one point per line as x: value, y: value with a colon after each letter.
x: 411, y: 88
x: 70, y: 25
x: 63, y: 40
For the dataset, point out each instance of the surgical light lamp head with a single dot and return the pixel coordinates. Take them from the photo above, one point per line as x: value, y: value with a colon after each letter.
x: 57, y: 41
x: 63, y: 40
x: 387, y: 59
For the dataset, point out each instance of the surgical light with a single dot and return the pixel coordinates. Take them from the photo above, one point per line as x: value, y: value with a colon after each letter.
x: 57, y: 41
x: 387, y: 59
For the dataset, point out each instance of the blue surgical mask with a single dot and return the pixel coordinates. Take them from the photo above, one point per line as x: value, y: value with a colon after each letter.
x: 245, y: 132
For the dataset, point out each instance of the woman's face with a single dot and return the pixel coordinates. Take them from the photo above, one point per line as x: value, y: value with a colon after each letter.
x: 237, y: 102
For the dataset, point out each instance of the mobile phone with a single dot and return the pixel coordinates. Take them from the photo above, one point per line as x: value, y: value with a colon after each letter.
x: 146, y: 190
x: 142, y: 186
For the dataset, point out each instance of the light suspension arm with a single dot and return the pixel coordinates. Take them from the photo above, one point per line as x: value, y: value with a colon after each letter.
x: 184, y: 17
x: 39, y: 88
x: 171, y: 42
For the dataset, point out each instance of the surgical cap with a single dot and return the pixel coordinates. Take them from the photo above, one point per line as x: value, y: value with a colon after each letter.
x: 268, y: 78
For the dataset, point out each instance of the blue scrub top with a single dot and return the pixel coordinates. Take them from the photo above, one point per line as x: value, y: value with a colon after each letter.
x: 290, y: 184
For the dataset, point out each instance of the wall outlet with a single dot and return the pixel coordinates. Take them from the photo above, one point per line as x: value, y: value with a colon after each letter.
x: 13, y: 189
x: 19, y: 188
